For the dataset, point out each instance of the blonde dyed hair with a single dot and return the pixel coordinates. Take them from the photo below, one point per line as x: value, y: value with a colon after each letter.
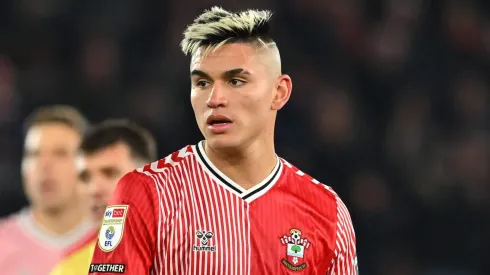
x: 216, y: 27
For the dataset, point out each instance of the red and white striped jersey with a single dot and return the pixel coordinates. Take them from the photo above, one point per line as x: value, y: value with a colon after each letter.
x: 181, y: 215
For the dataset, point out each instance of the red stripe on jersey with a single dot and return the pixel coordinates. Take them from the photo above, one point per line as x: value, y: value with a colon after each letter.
x: 345, y: 261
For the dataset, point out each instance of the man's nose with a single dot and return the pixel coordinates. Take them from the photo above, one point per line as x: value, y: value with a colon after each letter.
x: 217, y: 96
x: 95, y: 189
x: 45, y: 163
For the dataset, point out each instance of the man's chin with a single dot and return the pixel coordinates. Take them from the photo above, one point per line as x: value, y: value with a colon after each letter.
x: 222, y: 142
x: 51, y: 208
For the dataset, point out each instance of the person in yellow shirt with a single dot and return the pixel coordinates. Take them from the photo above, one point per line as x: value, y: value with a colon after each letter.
x: 108, y: 151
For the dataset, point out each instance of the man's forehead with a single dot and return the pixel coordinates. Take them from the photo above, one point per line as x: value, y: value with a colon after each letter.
x: 51, y: 135
x: 233, y: 54
x: 117, y: 150
x: 251, y: 58
x: 103, y: 159
x: 37, y: 140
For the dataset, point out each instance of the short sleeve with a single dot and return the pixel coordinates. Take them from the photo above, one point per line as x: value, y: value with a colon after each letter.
x: 126, y: 239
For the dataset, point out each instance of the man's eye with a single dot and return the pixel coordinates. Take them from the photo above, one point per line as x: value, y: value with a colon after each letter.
x: 202, y: 84
x: 84, y: 176
x: 112, y: 174
x: 237, y: 82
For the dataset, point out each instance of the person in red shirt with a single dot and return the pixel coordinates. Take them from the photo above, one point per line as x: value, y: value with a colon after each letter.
x: 229, y: 204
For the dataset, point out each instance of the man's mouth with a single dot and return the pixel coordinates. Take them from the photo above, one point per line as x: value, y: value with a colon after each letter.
x: 218, y: 120
x: 218, y: 124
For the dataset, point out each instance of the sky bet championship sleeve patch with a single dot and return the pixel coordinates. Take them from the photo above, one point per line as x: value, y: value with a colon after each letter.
x: 107, y: 268
x: 112, y: 228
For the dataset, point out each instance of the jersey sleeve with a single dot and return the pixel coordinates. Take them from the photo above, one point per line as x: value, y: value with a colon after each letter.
x: 345, y: 256
x: 126, y: 240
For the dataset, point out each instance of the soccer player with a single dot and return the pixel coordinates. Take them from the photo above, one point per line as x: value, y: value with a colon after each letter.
x: 109, y: 150
x: 229, y: 204
x: 32, y: 240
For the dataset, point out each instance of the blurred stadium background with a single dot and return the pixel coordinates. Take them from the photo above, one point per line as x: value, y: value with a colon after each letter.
x: 389, y: 106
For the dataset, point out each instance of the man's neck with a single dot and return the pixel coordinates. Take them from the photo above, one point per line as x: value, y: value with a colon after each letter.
x: 60, y: 222
x: 248, y: 166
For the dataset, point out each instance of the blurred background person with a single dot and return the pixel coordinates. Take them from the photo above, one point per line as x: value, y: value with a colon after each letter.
x: 32, y: 240
x: 109, y: 150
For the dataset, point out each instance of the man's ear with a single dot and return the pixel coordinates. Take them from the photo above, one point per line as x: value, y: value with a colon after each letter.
x: 283, y: 89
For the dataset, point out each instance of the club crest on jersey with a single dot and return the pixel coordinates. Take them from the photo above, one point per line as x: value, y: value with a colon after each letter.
x: 295, y: 250
x: 204, y: 238
x: 112, y: 228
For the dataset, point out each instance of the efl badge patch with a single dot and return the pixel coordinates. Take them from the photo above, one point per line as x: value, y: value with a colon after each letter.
x: 295, y: 250
x: 112, y: 228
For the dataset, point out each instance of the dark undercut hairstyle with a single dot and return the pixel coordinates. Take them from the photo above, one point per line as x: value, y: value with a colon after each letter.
x: 216, y: 27
x: 141, y: 143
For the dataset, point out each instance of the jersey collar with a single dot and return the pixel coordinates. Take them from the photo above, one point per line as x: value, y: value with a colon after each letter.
x: 220, y: 178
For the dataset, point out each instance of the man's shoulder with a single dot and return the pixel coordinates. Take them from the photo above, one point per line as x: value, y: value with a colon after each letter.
x: 167, y: 164
x: 12, y: 232
x: 152, y: 178
x: 7, y: 221
x: 315, y: 193
x: 308, y: 182
x: 7, y: 226
x: 10, y: 223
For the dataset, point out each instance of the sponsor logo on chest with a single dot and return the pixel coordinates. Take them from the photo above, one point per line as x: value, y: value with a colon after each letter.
x: 204, y: 239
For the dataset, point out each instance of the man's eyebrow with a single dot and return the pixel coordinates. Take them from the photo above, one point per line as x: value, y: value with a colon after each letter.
x: 227, y: 74
x: 234, y: 72
x: 199, y: 73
